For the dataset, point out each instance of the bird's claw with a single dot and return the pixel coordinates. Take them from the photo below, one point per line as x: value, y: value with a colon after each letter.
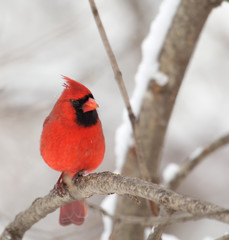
x: 59, y: 187
x: 78, y: 175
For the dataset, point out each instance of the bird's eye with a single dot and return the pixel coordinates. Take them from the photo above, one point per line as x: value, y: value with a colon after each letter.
x: 75, y: 103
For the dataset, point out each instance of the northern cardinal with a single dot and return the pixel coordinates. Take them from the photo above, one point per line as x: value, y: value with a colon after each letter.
x: 72, y: 141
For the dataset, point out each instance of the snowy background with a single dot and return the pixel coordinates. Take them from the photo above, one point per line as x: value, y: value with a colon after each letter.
x: 40, y: 40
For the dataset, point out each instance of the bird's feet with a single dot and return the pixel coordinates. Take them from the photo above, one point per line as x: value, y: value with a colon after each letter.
x: 65, y: 181
x: 78, y: 175
x: 59, y: 187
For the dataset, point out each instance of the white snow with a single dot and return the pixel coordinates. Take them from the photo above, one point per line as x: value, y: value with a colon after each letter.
x: 148, y: 69
x: 148, y: 231
x: 123, y: 140
x: 169, y: 237
x: 164, y: 236
x: 196, y: 153
x: 170, y: 171
x: 151, y: 47
x: 109, y: 205
x: 161, y: 78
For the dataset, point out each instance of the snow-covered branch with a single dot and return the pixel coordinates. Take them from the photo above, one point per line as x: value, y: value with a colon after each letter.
x: 194, y: 159
x: 181, y: 172
x: 109, y: 183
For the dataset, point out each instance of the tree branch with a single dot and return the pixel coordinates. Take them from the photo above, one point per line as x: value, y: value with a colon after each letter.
x: 225, y: 237
x: 108, y: 183
x: 118, y: 77
x: 194, y: 159
x: 174, y: 58
x: 113, y: 62
x: 189, y: 164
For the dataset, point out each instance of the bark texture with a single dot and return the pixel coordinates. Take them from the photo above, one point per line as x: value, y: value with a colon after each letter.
x: 108, y: 183
x: 159, y: 100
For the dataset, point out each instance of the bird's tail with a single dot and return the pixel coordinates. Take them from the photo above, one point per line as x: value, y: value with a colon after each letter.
x: 73, y: 212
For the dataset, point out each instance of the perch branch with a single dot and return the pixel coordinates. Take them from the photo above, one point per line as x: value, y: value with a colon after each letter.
x: 108, y: 183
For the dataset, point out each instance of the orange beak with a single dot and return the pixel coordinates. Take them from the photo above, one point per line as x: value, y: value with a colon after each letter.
x: 90, y: 105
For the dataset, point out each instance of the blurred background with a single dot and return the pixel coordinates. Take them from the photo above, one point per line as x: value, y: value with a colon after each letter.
x: 40, y: 40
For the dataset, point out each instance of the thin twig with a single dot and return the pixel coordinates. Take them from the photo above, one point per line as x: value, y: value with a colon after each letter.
x: 225, y: 237
x: 119, y: 79
x: 100, y: 210
x: 189, y: 164
x: 113, y: 62
x: 151, y: 221
x: 156, y: 233
x: 194, y: 159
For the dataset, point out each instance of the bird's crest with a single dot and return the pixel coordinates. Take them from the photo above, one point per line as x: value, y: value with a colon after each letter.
x: 75, y: 88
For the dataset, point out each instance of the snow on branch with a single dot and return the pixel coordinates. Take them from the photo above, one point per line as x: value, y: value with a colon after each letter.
x: 194, y: 159
x: 108, y: 183
x: 147, y: 70
x: 174, y: 175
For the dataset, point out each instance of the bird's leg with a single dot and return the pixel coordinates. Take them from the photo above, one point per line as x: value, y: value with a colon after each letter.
x: 59, y: 186
x: 65, y: 180
x: 77, y: 175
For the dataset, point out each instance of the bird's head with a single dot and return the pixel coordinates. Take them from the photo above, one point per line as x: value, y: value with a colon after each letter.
x: 78, y: 100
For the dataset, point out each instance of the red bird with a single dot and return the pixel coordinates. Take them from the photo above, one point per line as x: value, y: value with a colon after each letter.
x: 72, y: 141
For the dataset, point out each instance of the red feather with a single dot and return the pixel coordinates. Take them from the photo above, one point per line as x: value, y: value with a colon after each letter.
x: 72, y: 140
